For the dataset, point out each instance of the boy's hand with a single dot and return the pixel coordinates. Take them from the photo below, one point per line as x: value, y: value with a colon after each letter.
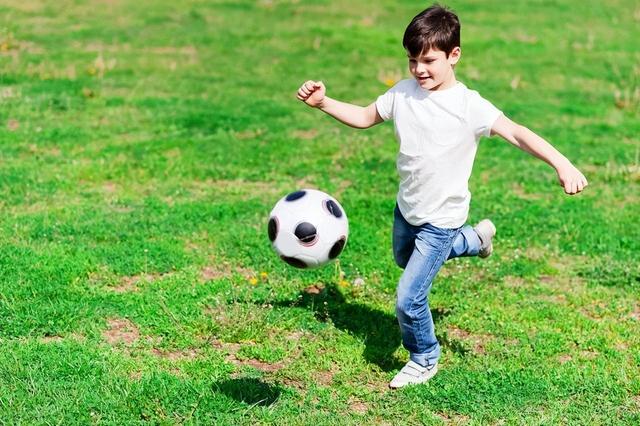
x: 571, y: 179
x: 312, y: 93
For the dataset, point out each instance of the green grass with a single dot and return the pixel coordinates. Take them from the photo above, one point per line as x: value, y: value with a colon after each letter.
x: 142, y: 145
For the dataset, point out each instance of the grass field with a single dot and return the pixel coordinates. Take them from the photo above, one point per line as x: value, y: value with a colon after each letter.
x: 143, y: 144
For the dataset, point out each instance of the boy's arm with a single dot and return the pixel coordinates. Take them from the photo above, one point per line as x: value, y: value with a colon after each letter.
x: 570, y: 177
x: 313, y: 94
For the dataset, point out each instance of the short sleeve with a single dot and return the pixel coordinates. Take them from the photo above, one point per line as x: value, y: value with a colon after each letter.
x: 481, y: 114
x: 385, y: 104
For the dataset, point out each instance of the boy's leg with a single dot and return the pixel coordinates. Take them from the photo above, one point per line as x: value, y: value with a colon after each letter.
x: 476, y: 241
x: 467, y: 243
x: 403, y: 238
x: 432, y: 245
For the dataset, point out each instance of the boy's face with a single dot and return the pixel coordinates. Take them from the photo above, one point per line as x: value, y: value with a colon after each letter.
x: 433, y: 70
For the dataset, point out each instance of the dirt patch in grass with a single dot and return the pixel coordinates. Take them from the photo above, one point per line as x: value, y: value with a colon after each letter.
x: 294, y: 383
x: 130, y: 283
x: 589, y: 354
x: 521, y: 193
x: 259, y: 365
x: 305, y: 134
x: 453, y: 419
x: 559, y: 299
x: 121, y: 330
x: 357, y: 406
x: 110, y: 187
x: 295, y: 335
x: 209, y: 273
x: 511, y: 281
x: 324, y: 378
x: 55, y: 339
x: 597, y: 310
x: 176, y: 355
x: 635, y: 313
x: 564, y: 358
x: 230, y: 348
x: 225, y: 270
x: 263, y: 366
x: 51, y: 339
x: 123, y: 284
x: 475, y: 341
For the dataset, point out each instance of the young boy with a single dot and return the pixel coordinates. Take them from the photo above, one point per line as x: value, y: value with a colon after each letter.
x: 438, y: 122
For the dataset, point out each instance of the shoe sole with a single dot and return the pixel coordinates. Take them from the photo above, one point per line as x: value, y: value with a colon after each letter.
x: 492, y: 231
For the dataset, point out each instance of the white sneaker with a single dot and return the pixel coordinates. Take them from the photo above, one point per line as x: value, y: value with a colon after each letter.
x: 486, y: 230
x: 413, y: 373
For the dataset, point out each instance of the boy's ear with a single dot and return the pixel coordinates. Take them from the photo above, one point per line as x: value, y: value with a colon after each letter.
x: 454, y: 56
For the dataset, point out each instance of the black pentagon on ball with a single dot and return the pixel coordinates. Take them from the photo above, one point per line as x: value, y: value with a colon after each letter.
x: 294, y: 262
x: 306, y: 232
x: 337, y: 248
x: 272, y: 228
x: 333, y: 208
x: 295, y: 195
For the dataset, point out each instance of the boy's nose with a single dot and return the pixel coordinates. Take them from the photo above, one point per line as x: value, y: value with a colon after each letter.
x: 421, y: 68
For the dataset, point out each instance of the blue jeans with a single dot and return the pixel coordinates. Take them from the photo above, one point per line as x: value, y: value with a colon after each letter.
x: 421, y: 251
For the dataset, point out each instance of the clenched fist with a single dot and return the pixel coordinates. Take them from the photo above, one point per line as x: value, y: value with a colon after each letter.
x: 312, y: 93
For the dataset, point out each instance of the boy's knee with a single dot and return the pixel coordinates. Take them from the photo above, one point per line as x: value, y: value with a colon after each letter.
x: 405, y: 306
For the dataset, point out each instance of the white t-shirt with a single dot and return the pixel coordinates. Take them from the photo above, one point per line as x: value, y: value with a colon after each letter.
x: 438, y: 132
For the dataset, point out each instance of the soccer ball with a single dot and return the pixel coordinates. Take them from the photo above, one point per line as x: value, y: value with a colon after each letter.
x: 308, y: 228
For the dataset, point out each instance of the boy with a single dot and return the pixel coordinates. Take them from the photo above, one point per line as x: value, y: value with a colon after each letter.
x: 438, y: 123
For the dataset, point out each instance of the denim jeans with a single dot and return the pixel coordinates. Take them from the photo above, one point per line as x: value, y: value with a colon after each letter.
x: 421, y: 251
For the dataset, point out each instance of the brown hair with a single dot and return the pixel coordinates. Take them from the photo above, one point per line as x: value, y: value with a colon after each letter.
x: 435, y: 27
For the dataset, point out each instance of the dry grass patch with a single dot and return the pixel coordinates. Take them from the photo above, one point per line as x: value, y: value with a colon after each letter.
x: 635, y: 313
x: 305, y: 134
x: 475, y: 341
x: 121, y: 330
x: 521, y: 193
x: 358, y: 406
x: 324, y: 378
x: 564, y: 358
x: 512, y: 281
x: 225, y: 270
x: 175, y: 355
x: 130, y: 283
x: 232, y: 357
x: 51, y: 339
x: 453, y: 419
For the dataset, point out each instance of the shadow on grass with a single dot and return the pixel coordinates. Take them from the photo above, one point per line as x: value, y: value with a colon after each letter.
x: 248, y: 390
x: 379, y: 330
